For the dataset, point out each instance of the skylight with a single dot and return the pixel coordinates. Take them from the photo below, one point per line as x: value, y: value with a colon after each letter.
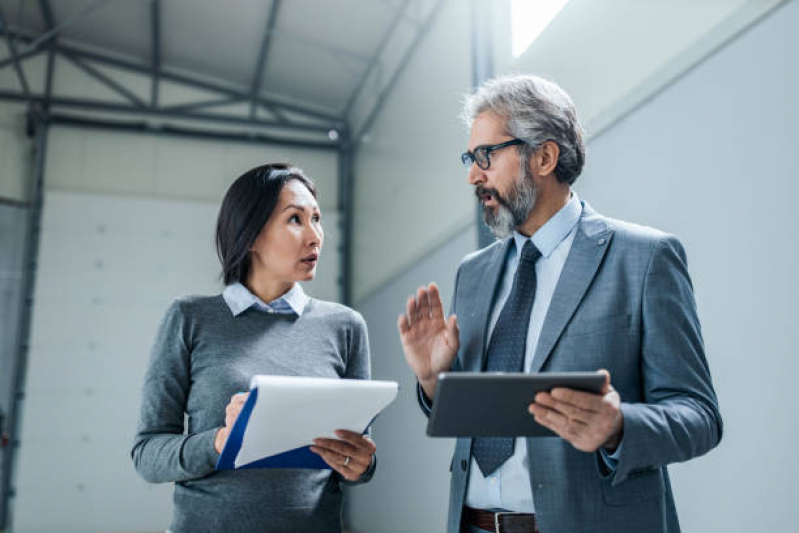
x: 528, y: 18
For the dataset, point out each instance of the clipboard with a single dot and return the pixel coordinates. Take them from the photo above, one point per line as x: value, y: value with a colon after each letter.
x: 494, y: 404
x: 283, y: 414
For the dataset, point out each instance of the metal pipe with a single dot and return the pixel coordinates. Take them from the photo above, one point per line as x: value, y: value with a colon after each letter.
x: 19, y: 369
x: 181, y: 131
x: 94, y: 105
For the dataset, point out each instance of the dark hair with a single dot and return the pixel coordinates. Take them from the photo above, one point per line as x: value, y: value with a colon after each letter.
x: 247, y: 206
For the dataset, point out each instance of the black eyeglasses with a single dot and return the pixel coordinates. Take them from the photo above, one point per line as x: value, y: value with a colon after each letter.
x: 482, y: 154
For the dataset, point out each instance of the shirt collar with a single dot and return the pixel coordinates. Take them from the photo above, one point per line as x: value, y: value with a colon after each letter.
x: 552, y: 233
x: 239, y: 299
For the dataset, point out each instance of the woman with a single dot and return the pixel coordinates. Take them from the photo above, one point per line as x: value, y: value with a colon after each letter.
x: 269, y: 237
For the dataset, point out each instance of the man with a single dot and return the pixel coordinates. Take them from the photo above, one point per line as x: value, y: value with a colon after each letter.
x: 564, y: 289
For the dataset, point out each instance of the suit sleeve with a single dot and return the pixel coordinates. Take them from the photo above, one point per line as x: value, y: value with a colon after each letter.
x: 679, y: 416
x: 359, y: 367
x: 161, y: 451
x: 425, y: 403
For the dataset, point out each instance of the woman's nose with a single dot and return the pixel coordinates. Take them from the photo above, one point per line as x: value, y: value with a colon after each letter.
x: 314, y: 234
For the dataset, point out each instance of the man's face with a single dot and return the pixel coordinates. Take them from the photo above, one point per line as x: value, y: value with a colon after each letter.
x: 506, y: 193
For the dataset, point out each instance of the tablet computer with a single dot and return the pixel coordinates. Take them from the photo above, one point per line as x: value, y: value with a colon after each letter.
x: 494, y: 404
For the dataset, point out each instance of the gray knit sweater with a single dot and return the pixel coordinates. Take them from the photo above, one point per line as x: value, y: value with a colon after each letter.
x: 202, y: 356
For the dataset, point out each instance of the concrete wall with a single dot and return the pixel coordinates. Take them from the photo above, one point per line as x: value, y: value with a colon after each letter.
x: 709, y: 159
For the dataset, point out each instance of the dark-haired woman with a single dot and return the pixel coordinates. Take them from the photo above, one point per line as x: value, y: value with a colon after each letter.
x: 269, y: 237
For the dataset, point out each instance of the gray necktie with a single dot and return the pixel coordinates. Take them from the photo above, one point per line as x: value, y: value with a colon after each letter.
x: 506, y: 350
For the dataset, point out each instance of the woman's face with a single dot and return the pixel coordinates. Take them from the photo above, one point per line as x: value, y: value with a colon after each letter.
x: 289, y: 245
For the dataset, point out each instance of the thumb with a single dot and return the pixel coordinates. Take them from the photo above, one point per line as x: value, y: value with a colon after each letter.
x: 607, y: 387
x: 452, y: 328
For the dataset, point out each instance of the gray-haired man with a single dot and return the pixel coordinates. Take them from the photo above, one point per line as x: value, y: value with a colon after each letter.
x: 564, y: 289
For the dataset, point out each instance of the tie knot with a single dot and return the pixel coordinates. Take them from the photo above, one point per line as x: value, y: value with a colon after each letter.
x: 530, y: 252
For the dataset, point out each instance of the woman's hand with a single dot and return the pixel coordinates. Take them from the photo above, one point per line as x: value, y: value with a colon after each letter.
x: 231, y: 412
x: 351, y: 456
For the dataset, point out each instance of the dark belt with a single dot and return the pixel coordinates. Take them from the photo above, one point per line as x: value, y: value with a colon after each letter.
x: 499, y: 522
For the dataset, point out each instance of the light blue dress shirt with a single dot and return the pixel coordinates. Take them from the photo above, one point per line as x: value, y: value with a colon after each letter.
x: 239, y: 299
x: 509, y: 487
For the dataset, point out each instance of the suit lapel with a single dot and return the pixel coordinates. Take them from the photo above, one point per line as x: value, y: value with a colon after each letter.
x: 588, y: 248
x: 487, y: 285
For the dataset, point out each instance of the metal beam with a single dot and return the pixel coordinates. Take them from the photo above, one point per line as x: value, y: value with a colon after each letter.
x: 345, y: 206
x: 203, y: 104
x: 53, y: 31
x: 482, y: 70
x: 12, y: 48
x: 19, y: 366
x: 94, y: 105
x: 192, y: 81
x: 263, y: 54
x: 104, y: 79
x: 381, y: 98
x: 181, y: 131
x: 376, y: 58
x: 47, y: 15
x: 155, y: 22
x: 21, y: 56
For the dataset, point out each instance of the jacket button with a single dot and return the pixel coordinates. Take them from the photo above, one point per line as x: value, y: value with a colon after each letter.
x: 464, y: 464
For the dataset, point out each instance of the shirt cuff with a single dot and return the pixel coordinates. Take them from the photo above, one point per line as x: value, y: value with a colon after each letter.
x: 424, y: 401
x: 611, y: 460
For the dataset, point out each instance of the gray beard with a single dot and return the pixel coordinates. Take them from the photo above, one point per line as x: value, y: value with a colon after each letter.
x: 511, y: 212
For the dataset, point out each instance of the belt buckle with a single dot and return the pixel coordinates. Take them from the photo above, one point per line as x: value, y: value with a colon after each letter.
x: 498, y: 517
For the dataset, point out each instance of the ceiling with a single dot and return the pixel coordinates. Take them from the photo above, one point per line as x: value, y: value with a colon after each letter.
x: 316, y: 55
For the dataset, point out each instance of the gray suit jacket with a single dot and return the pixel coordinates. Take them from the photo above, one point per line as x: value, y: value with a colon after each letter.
x: 624, y: 302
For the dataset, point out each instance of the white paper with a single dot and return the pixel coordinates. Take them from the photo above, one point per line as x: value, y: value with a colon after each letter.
x: 292, y: 411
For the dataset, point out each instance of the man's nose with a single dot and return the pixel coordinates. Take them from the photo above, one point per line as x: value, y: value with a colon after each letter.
x: 476, y: 175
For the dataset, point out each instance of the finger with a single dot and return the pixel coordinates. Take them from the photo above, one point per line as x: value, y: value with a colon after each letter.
x: 423, y: 310
x: 346, y: 472
x: 362, y: 442
x: 403, y: 325
x: 436, y: 307
x: 584, y: 400
x: 355, y: 462
x: 410, y: 310
x: 453, y: 331
x: 339, y: 451
x: 566, y: 409
x: 556, y: 421
x: 606, y: 388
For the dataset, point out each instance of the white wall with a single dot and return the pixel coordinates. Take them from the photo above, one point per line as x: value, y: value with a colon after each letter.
x: 411, y: 485
x: 709, y: 159
x: 128, y: 225
x: 409, y: 190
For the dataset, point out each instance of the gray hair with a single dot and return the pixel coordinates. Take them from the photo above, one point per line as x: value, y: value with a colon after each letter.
x: 537, y: 110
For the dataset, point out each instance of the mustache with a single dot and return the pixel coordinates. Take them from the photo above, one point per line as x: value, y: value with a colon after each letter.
x: 480, y: 191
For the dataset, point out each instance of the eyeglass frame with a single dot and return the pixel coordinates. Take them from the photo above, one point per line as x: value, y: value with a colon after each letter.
x: 469, y: 158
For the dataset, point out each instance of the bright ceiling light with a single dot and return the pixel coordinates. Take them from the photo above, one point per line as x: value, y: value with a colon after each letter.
x: 528, y: 18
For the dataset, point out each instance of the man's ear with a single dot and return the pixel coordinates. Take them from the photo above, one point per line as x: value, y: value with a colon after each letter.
x: 547, y: 157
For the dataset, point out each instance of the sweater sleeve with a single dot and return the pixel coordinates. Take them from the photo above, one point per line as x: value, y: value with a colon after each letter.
x: 359, y: 367
x: 162, y: 451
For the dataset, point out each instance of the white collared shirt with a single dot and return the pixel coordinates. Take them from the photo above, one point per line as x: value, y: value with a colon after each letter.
x: 509, y: 487
x: 239, y: 299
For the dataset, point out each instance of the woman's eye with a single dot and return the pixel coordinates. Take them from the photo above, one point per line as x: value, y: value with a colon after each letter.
x: 317, y: 218
x: 295, y: 218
